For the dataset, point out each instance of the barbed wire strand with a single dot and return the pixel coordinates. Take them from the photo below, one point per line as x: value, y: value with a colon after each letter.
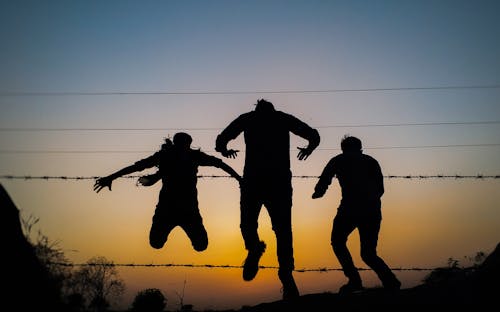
x: 409, y: 176
x: 223, y: 266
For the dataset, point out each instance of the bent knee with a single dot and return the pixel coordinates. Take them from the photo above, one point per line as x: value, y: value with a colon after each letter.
x: 200, y: 246
x: 369, y: 257
x: 156, y: 244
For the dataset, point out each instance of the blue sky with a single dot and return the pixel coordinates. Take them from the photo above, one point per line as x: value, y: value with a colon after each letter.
x: 231, y: 45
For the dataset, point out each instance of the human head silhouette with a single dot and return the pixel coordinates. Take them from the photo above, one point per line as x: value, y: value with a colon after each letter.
x: 264, y: 106
x: 182, y: 139
x: 351, y: 144
x: 167, y: 143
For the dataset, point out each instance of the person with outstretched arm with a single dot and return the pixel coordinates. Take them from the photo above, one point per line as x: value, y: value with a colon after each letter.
x: 178, y: 201
x: 267, y: 181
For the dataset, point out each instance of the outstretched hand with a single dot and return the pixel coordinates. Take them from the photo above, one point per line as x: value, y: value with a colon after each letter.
x: 304, y: 152
x: 145, y: 181
x: 317, y: 194
x: 102, y: 183
x: 230, y: 153
x: 319, y: 190
x: 148, y: 180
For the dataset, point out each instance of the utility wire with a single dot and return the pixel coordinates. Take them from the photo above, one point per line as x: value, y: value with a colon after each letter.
x: 12, y: 129
x: 104, y: 93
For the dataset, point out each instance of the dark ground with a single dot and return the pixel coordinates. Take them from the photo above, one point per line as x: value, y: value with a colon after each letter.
x: 472, y: 289
x: 421, y: 297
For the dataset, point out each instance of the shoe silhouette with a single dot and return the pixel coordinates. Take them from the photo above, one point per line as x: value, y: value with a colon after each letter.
x: 251, y: 265
x: 393, y: 284
x: 290, y: 290
x: 351, y: 287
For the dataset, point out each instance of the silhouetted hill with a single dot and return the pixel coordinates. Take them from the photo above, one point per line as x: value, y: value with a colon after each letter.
x: 27, y: 285
x: 471, y: 288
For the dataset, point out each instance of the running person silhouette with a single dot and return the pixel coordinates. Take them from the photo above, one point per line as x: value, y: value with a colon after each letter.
x: 361, y: 182
x: 178, y: 200
x: 267, y: 180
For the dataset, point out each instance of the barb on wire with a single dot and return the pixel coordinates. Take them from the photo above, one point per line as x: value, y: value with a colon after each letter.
x: 223, y: 266
x: 416, y: 176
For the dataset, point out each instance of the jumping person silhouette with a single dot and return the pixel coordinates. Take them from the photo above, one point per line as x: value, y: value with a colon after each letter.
x: 361, y: 181
x: 151, y: 179
x: 267, y: 180
x: 178, y: 200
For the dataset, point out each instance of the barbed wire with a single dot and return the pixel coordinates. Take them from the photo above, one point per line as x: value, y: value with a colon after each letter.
x: 410, y: 176
x: 223, y: 266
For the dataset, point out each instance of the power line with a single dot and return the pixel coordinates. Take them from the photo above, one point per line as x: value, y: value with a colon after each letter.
x: 443, y: 123
x: 431, y: 146
x: 408, y: 177
x: 6, y: 151
x: 107, y: 129
x: 106, y: 93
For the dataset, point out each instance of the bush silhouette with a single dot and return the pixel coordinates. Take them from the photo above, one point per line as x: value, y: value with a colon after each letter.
x: 150, y: 300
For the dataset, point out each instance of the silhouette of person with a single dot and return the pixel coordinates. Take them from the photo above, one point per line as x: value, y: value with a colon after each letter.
x: 361, y: 181
x: 151, y: 179
x: 267, y: 180
x: 178, y: 200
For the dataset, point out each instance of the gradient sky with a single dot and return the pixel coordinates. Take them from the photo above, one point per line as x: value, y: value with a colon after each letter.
x: 384, y: 71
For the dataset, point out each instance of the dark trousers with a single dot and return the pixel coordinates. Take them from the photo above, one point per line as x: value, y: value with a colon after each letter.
x: 276, y: 196
x: 368, y: 228
x: 178, y: 212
